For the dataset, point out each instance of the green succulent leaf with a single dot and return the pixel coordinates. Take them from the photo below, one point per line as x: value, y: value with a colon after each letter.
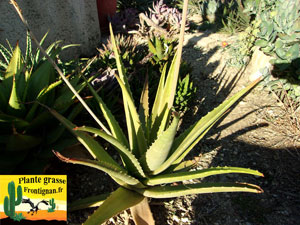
x: 114, y: 171
x: 12, y: 72
x: 136, y: 135
x: 92, y: 201
x: 18, y: 123
x: 190, y: 175
x: 15, y: 106
x: 144, y: 109
x: 15, y: 65
x: 118, y: 201
x: 158, y: 105
x: 94, y: 148
x: 5, y: 54
x: 134, y: 117
x: 130, y: 161
x: 21, y: 142
x: 159, y: 150
x: 293, y: 52
x: 114, y: 126
x: 40, y: 79
x: 38, y: 51
x: 201, y: 126
x: 188, y: 189
x: 261, y: 43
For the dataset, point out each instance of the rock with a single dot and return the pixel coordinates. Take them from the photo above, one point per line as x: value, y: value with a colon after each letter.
x: 258, y: 62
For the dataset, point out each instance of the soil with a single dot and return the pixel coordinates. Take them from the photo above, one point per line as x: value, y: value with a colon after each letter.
x: 257, y: 133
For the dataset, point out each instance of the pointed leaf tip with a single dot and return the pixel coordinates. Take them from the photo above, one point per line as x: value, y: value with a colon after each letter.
x: 60, y: 156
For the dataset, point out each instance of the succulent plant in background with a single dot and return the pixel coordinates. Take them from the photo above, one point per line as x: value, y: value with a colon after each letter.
x: 235, y: 18
x: 184, y: 94
x: 28, y: 129
x: 279, y: 37
x: 105, y: 65
x: 162, y: 49
x: 195, y: 7
x: 161, y: 21
x: 241, y: 51
x: 279, y: 31
x: 152, y: 155
x: 211, y: 7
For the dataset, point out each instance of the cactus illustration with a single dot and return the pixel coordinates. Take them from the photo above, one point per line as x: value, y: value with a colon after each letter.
x: 52, y: 204
x: 10, y: 202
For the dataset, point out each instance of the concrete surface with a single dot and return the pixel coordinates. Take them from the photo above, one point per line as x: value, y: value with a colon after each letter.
x: 73, y: 21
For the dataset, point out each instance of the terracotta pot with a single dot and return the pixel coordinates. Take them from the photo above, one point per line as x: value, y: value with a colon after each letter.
x: 106, y: 9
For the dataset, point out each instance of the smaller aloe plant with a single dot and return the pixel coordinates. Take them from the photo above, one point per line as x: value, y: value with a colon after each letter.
x: 28, y: 80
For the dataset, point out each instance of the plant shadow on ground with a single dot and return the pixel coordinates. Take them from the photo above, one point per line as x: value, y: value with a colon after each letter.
x: 279, y: 203
x: 280, y: 200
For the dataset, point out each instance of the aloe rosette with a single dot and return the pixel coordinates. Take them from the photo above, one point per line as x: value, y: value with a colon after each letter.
x: 27, y: 128
x: 152, y: 154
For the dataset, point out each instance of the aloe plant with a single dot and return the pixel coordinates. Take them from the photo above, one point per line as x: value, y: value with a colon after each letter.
x: 152, y: 155
x: 26, y: 126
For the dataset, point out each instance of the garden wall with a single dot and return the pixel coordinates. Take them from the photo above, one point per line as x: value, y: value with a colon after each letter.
x: 73, y: 21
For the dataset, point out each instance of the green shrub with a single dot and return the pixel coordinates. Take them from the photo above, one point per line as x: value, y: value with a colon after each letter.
x: 234, y: 18
x: 279, y: 37
x: 241, y: 51
x: 28, y: 131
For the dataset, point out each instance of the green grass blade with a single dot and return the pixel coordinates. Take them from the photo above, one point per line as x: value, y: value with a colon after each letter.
x: 112, y: 170
x: 188, y: 189
x: 159, y: 150
x: 202, y: 125
x: 190, y: 175
x: 118, y: 201
x: 94, y: 148
x: 130, y: 161
x: 9, y: 46
x: 92, y: 201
